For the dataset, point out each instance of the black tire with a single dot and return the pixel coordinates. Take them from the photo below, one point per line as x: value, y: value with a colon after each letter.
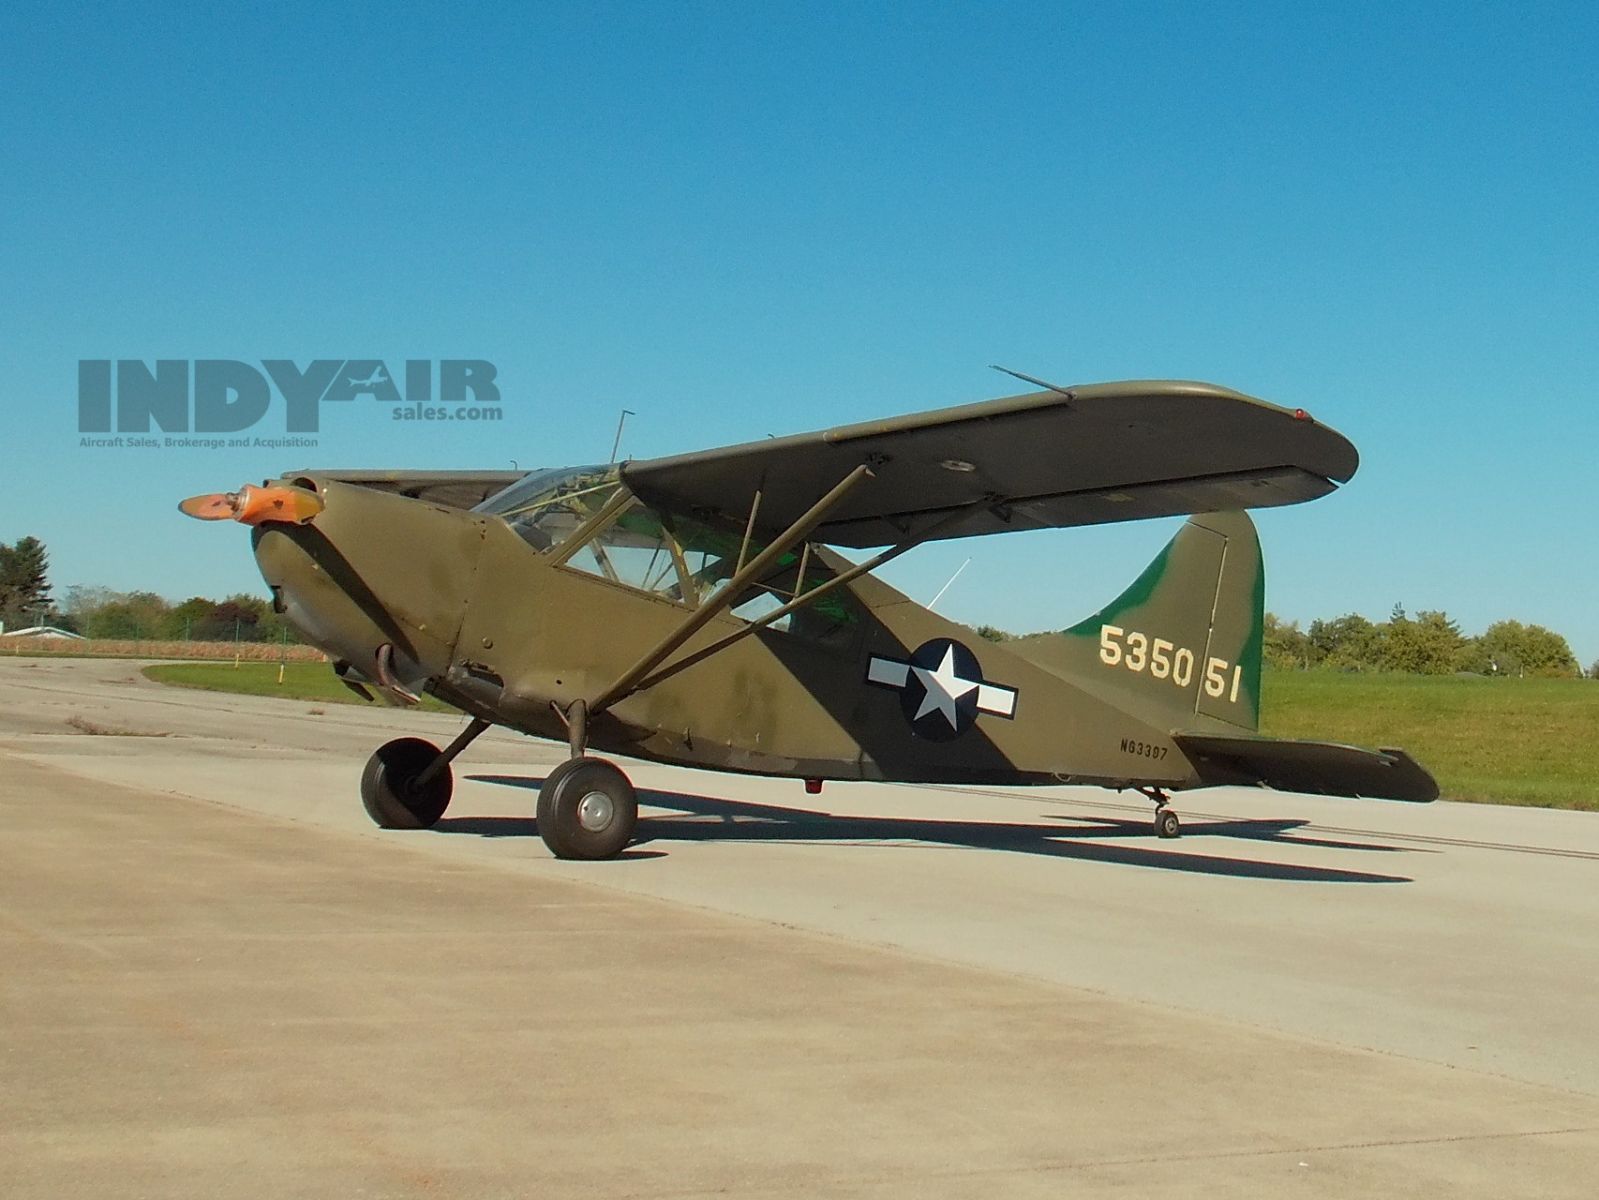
x: 587, y: 810
x: 560, y: 771
x: 1166, y: 824
x: 389, y: 791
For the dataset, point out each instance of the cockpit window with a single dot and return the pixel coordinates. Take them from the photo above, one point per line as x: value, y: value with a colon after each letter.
x: 548, y: 507
x: 670, y: 555
x: 633, y: 549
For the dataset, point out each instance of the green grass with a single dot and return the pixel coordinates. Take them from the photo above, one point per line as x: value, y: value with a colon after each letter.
x: 301, y: 681
x: 1505, y: 741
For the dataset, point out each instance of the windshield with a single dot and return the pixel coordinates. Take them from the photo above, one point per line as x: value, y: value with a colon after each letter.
x: 547, y: 507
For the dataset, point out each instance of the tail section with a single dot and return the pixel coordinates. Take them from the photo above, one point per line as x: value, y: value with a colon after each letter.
x: 1181, y: 646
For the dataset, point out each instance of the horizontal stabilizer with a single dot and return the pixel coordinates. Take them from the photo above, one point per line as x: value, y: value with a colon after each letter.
x: 1323, y: 768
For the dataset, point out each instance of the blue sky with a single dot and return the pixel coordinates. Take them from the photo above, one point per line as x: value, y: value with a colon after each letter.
x: 748, y: 219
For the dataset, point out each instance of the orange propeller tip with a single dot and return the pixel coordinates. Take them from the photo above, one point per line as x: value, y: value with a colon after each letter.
x: 217, y: 506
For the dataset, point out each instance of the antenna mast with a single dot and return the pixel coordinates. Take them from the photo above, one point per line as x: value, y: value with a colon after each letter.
x: 616, y: 444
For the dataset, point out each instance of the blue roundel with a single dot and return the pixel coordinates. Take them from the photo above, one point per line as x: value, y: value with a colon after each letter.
x: 940, y: 694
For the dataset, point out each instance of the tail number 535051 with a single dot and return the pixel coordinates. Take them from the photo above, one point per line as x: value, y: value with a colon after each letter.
x: 1162, y: 659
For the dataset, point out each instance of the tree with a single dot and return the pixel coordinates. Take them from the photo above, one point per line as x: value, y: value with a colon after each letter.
x: 1431, y: 644
x: 1287, y: 647
x: 188, y: 621
x: 24, y: 582
x: 1346, y: 643
x: 127, y: 616
x: 83, y: 599
x: 1511, y: 648
x: 235, y: 617
x: 99, y: 612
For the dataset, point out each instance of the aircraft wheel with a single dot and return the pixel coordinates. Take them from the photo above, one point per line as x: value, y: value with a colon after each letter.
x: 1166, y: 824
x: 587, y: 810
x: 389, y: 789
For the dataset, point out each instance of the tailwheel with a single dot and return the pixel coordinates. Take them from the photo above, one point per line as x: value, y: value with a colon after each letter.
x: 398, y: 789
x: 1166, y: 823
x: 587, y: 810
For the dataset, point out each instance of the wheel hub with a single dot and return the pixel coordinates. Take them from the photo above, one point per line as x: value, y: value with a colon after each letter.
x: 595, y: 811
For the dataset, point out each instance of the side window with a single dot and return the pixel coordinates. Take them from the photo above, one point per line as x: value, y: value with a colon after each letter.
x: 632, y: 549
x: 690, y: 563
x: 709, y: 556
x: 760, y: 603
x: 833, y: 619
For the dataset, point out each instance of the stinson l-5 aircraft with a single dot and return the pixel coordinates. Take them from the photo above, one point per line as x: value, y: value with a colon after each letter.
x: 691, y: 610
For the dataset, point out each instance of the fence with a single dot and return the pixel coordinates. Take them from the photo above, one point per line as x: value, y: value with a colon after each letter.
x: 208, y: 651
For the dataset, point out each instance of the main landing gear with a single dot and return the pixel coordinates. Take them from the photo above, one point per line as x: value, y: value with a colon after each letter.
x: 587, y: 808
x: 1166, y: 823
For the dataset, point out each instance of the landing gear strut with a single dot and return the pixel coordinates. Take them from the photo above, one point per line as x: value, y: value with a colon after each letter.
x: 1166, y: 823
x: 407, y: 782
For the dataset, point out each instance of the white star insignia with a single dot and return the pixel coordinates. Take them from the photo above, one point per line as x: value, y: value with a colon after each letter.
x: 944, y: 687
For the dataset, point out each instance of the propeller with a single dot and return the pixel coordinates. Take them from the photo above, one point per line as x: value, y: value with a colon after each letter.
x: 253, y: 505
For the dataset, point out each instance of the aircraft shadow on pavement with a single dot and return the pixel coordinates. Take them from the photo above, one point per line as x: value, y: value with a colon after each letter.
x: 1098, y: 839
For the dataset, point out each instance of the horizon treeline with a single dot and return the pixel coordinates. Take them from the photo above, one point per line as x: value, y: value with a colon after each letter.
x: 98, y: 612
x: 1430, y: 643
x: 101, y: 613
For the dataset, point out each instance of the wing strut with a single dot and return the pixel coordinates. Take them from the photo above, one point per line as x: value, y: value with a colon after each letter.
x: 816, y: 593
x: 627, y: 682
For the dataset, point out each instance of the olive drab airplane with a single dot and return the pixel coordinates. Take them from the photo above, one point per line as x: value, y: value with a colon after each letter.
x: 692, y: 609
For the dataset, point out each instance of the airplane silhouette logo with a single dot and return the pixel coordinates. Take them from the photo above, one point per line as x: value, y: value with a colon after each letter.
x: 379, y: 376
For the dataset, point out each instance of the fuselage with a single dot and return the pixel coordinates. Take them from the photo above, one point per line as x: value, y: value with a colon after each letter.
x: 476, y: 608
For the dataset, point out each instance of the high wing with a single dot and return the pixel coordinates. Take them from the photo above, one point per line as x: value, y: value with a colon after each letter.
x: 1087, y: 455
x: 453, y: 489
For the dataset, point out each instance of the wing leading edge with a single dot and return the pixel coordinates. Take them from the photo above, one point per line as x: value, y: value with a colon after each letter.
x: 1096, y: 454
x: 453, y: 489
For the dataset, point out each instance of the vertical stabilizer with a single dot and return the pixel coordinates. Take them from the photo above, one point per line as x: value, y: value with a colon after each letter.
x: 1182, y: 645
